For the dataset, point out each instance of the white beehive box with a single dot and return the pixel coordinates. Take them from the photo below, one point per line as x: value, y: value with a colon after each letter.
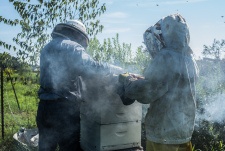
x: 103, y: 137
x: 107, y: 124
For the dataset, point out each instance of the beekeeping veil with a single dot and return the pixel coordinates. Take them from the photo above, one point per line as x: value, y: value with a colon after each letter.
x: 170, y: 32
x: 74, y: 30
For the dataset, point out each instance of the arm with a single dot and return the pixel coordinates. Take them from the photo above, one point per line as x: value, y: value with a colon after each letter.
x: 144, y: 91
x: 153, y: 86
x: 87, y: 66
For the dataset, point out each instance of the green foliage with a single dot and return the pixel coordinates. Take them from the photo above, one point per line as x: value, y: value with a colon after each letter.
x: 9, y: 21
x: 112, y: 51
x: 208, y: 134
x: 6, y: 60
x: 211, y: 81
x: 37, y: 19
x: 215, y: 50
x: 208, y: 138
x: 11, y: 63
x: 142, y: 58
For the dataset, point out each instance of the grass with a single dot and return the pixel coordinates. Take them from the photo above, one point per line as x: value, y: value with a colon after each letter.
x: 16, y: 116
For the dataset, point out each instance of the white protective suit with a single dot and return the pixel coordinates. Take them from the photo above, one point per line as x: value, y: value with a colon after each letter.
x: 169, y: 84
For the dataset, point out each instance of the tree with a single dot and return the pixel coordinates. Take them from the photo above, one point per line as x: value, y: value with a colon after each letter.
x: 37, y: 19
x: 8, y: 61
x: 142, y: 58
x: 112, y: 51
x: 12, y: 64
x: 215, y: 50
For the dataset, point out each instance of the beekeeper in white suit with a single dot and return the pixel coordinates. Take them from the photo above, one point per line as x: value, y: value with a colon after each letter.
x: 169, y: 86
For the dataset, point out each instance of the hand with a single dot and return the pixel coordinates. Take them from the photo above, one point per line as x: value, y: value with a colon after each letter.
x: 121, y: 93
x: 126, y: 78
x: 123, y: 77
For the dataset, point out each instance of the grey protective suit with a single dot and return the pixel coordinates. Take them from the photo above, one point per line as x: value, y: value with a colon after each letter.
x: 62, y: 64
x: 169, y: 84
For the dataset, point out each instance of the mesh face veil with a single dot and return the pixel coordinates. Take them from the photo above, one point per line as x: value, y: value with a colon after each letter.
x: 170, y: 32
x: 153, y: 39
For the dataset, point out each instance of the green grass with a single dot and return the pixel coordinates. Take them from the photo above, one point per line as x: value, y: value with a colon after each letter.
x: 15, y: 118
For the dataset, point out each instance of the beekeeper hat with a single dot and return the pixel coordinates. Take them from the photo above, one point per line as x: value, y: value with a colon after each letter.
x: 76, y: 28
x: 169, y: 32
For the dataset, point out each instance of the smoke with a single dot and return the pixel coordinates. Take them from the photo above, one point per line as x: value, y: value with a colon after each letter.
x: 212, y: 111
x: 210, y: 89
x: 103, y: 104
x: 100, y: 98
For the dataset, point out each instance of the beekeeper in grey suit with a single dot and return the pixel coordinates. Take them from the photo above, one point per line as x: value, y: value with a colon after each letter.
x: 63, y: 62
x: 169, y: 86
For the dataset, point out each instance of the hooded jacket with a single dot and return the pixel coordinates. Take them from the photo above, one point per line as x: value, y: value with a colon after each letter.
x: 169, y: 84
x: 62, y: 64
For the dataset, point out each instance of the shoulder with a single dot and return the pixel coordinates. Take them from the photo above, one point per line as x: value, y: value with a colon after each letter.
x: 53, y: 45
x: 72, y: 46
x: 65, y: 44
x: 70, y: 43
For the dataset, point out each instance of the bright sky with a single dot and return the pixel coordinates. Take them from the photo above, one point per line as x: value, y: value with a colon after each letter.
x: 130, y: 18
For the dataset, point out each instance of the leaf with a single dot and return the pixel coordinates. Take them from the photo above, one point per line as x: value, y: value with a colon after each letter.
x: 38, y: 19
x: 40, y: 1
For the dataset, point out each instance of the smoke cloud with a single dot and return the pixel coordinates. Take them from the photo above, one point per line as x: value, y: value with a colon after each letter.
x: 213, y: 111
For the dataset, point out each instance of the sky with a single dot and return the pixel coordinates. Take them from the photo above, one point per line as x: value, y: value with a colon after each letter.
x: 130, y: 18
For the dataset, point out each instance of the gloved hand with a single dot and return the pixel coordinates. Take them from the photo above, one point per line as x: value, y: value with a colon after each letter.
x: 124, y: 80
x: 123, y: 77
x: 121, y: 93
x: 126, y: 77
